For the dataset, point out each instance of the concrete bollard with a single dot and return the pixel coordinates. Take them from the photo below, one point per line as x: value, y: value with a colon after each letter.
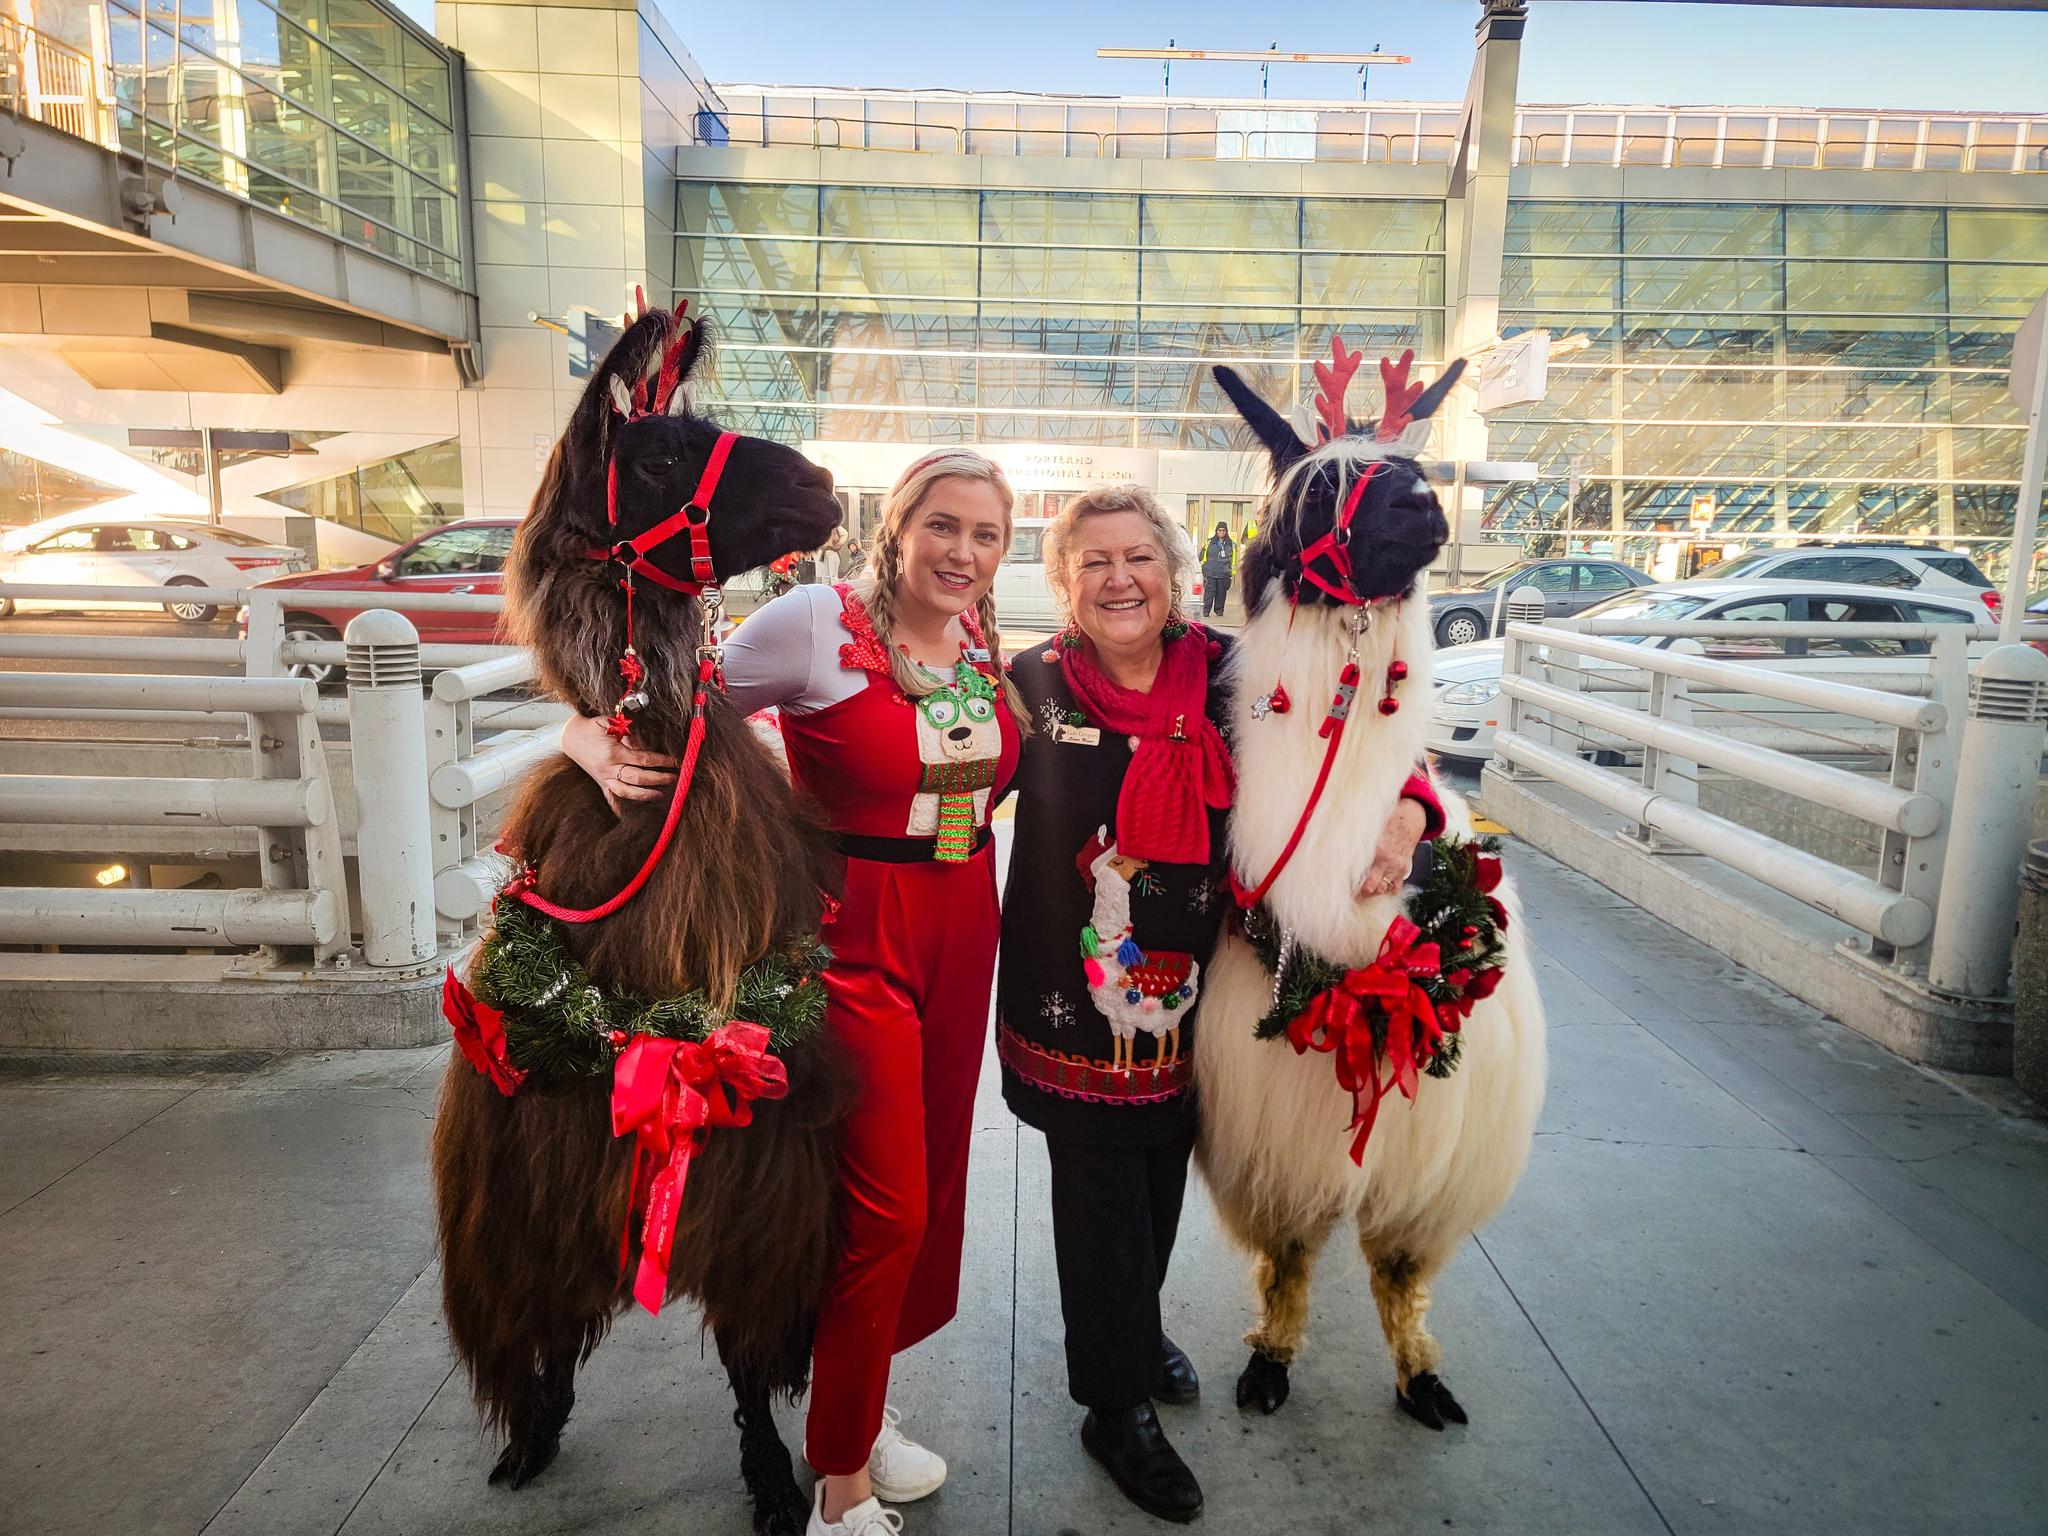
x: 1995, y: 781
x: 1525, y: 606
x: 2030, y: 979
x: 388, y: 742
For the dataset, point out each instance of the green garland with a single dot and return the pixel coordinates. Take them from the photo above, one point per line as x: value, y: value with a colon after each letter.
x: 1455, y: 912
x: 558, y: 1023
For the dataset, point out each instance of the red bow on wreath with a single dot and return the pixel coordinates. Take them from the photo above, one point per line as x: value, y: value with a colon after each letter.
x: 479, y: 1034
x: 670, y: 1093
x: 1340, y: 1021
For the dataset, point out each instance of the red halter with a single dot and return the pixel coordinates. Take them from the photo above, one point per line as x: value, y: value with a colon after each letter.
x: 1335, y: 546
x: 693, y: 522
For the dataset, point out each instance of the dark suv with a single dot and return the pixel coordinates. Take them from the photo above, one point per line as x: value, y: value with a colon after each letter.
x: 1463, y: 614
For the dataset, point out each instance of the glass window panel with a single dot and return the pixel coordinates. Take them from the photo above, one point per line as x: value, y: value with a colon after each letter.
x: 897, y: 378
x: 1376, y: 335
x: 1945, y: 143
x: 1215, y: 434
x: 1248, y: 224
x: 1860, y: 344
x: 364, y: 31
x: 429, y: 147
x: 1191, y: 132
x: 1797, y: 139
x: 1700, y: 450
x: 1332, y: 224
x: 1004, y: 427
x: 1220, y: 277
x: 991, y: 128
x: 1088, y: 383
x: 1913, y: 233
x: 1645, y: 139
x: 1542, y: 136
x: 883, y: 324
x: 1059, y: 218
x: 1592, y: 229
x: 1865, y: 396
x: 900, y: 213
x: 1744, y: 141
x: 1834, y: 453
x: 1865, y: 287
x: 1054, y: 331
x: 1847, y: 139
x: 942, y: 127
x: 1041, y: 128
x: 766, y: 319
x: 778, y: 424
x: 1179, y: 333
x: 1976, y: 234
x: 1995, y: 142
x: 711, y: 262
x: 426, y: 76
x: 1054, y: 273
x: 889, y: 125
x: 1167, y: 387
x: 1897, y: 146
x: 752, y: 373
x: 1342, y: 136
x: 934, y: 271
x: 1987, y: 455
x: 1989, y: 290
x: 1697, y: 394
x: 1738, y: 287
x: 746, y: 208
x: 1372, y: 282
x: 1575, y: 394
x: 1593, y: 138
x: 1561, y: 282
x: 1701, y: 229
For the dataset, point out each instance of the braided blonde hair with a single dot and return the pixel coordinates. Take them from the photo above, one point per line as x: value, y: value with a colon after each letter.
x: 876, y: 586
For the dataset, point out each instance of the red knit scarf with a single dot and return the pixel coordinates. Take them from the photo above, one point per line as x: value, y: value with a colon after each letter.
x: 1181, y: 768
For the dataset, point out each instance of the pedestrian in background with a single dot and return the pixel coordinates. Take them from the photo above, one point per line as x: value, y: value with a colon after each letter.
x: 1219, y: 564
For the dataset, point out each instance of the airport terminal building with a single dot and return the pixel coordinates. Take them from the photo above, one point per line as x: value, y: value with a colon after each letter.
x: 1771, y: 324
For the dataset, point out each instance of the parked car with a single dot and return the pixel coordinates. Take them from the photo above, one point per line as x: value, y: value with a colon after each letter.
x: 1467, y: 707
x: 466, y: 558
x: 1569, y: 585
x: 163, y: 554
x: 1916, y: 567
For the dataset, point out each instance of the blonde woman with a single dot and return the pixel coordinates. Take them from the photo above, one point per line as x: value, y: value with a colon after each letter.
x: 900, y: 722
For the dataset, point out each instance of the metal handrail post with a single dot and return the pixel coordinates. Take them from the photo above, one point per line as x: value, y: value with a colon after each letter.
x: 287, y: 745
x: 1927, y: 762
x: 450, y: 739
x: 388, y: 736
x: 1665, y: 776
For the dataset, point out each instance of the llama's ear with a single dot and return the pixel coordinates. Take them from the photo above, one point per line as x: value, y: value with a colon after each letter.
x: 1271, y: 428
x: 1426, y: 403
x: 622, y: 398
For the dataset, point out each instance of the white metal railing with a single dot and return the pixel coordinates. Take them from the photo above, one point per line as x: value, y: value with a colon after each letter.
x: 444, y: 776
x: 1573, y: 686
x: 301, y: 906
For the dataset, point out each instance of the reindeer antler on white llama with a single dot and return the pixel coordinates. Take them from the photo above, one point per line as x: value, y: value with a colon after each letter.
x: 1133, y: 988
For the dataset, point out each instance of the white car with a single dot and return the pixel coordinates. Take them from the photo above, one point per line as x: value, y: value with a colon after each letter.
x: 1911, y: 567
x: 144, y: 552
x: 1467, y: 708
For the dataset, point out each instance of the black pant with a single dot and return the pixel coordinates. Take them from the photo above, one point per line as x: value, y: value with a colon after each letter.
x: 1115, y: 1211
x: 1215, y: 593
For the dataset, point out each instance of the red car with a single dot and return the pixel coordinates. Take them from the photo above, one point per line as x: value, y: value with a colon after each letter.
x: 466, y: 557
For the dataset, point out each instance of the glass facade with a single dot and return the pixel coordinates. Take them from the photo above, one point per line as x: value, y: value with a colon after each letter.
x: 1816, y: 370
x: 397, y: 498
x: 337, y: 113
x: 890, y: 314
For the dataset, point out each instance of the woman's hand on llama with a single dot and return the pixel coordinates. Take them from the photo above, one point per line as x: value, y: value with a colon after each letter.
x: 1395, y: 855
x: 621, y: 769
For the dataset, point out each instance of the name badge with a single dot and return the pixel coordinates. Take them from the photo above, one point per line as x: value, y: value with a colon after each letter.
x: 976, y: 653
x: 1078, y: 735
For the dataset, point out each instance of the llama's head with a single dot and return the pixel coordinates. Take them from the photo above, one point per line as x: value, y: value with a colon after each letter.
x: 632, y: 466
x: 1099, y: 857
x: 1351, y: 519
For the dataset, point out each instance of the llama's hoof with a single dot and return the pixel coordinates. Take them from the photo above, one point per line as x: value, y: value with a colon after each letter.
x: 1263, y: 1385
x: 522, y: 1463
x: 1429, y: 1402
x: 781, y: 1511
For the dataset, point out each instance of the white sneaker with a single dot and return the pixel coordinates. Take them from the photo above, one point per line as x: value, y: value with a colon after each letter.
x: 866, y: 1518
x: 901, y: 1469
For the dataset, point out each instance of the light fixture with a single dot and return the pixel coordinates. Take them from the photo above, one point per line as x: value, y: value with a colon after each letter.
x: 113, y: 874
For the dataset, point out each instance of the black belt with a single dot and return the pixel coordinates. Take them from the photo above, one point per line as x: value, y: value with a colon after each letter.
x: 901, y: 850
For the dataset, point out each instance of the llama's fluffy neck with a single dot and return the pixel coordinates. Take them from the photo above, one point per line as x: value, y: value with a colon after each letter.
x: 1279, y: 756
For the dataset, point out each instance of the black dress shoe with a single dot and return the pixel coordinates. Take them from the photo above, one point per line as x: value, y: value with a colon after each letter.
x: 1133, y: 1450
x: 1178, y: 1383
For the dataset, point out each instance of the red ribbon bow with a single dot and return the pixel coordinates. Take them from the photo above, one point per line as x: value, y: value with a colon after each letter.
x: 1340, y: 1021
x: 670, y: 1093
x: 479, y: 1034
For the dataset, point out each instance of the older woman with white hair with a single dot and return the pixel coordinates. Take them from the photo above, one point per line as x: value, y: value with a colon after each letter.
x: 1116, y: 894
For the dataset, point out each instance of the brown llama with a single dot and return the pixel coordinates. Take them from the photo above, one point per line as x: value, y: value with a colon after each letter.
x: 534, y: 1190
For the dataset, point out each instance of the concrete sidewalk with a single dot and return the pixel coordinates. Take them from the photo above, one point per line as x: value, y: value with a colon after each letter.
x: 1761, y: 1276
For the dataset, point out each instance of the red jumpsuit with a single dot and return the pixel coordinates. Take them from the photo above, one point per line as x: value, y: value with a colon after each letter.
x: 914, y: 951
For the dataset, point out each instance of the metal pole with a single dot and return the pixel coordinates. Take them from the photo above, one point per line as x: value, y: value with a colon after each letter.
x: 388, y: 743
x: 2027, y: 515
x: 212, y: 458
x: 1995, y: 781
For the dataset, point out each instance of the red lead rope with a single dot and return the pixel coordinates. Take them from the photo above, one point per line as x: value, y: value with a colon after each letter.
x: 1333, y: 729
x: 521, y: 887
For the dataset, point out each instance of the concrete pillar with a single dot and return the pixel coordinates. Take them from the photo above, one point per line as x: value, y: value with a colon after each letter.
x: 576, y: 110
x: 1475, y: 234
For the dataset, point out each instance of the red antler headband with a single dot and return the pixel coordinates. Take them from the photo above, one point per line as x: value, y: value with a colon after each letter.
x: 1401, y: 396
x: 1332, y: 379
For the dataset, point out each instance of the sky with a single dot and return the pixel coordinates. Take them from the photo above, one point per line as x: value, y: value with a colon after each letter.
x: 1576, y: 50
